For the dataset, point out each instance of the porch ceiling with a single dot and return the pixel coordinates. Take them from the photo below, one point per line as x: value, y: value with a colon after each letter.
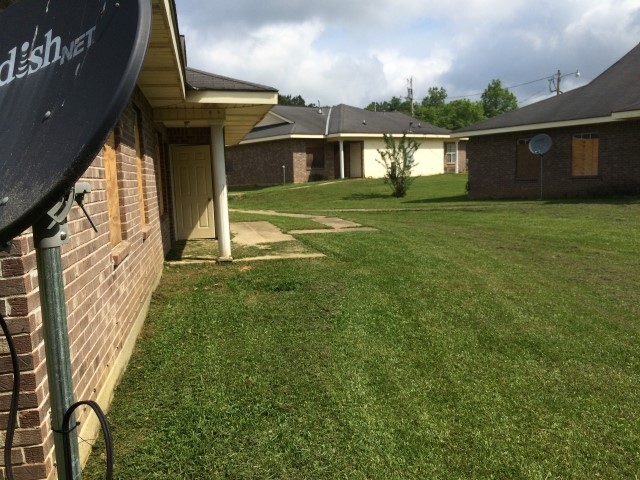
x: 238, y: 118
x: 162, y: 79
x: 176, y: 102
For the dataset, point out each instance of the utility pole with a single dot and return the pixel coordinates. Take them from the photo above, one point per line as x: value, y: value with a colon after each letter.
x: 410, y: 93
x: 554, y: 81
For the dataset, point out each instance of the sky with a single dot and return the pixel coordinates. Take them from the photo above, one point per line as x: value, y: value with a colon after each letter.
x: 362, y: 51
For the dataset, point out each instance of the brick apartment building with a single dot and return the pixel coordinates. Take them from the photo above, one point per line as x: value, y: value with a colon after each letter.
x: 302, y: 144
x: 157, y: 172
x: 595, y: 133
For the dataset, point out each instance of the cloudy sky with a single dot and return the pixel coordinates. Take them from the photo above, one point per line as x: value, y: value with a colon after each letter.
x: 357, y: 51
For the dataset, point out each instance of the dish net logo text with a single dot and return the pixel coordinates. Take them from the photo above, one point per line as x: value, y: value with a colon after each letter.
x: 29, y: 58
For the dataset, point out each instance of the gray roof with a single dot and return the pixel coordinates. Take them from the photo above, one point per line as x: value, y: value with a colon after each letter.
x: 200, y: 80
x: 617, y: 89
x: 341, y: 119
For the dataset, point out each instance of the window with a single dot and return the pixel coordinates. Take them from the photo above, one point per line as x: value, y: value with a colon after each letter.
x: 113, y: 197
x: 137, y: 129
x: 315, y: 156
x: 584, y: 155
x: 527, y: 164
x: 450, y: 152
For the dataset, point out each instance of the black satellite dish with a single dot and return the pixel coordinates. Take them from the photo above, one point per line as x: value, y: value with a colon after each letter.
x: 67, y: 71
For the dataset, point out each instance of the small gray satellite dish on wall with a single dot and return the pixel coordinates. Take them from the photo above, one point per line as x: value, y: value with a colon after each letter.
x: 67, y: 71
x: 540, y: 144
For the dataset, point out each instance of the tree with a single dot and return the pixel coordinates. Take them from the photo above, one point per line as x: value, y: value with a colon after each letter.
x: 455, y: 114
x: 460, y: 113
x: 398, y: 162
x: 296, y: 101
x: 396, y: 104
x: 436, y: 98
x: 496, y: 99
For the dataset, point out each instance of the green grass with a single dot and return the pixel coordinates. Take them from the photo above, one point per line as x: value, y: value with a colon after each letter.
x: 461, y: 340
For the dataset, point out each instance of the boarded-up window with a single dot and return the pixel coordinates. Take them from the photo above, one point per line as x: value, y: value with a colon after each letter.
x: 159, y: 165
x: 315, y: 156
x: 527, y: 164
x: 113, y: 197
x: 137, y: 129
x: 584, y: 155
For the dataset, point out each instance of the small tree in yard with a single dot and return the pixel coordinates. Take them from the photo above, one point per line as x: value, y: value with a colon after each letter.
x: 397, y: 160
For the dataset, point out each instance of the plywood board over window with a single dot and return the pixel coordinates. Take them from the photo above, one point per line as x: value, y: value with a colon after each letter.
x: 584, y: 155
x: 527, y: 164
x: 113, y: 197
x: 137, y: 128
x: 159, y: 165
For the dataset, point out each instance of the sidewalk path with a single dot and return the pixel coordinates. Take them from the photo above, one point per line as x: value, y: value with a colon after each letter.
x: 335, y: 224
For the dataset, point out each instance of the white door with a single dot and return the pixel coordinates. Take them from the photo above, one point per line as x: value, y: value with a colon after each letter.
x: 193, y: 192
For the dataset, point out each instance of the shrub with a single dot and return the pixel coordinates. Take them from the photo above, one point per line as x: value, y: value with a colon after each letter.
x: 398, y: 162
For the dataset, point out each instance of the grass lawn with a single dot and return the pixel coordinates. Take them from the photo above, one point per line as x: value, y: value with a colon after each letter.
x: 461, y: 340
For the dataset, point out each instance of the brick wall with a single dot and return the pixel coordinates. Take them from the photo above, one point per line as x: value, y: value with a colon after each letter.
x: 491, y: 164
x: 106, y: 289
x: 261, y: 163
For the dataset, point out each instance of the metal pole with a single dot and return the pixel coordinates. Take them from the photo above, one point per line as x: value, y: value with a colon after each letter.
x: 49, y: 236
x: 284, y: 175
x: 541, y: 172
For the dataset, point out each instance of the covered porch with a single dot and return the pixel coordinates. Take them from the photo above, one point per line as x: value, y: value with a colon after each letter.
x: 197, y: 114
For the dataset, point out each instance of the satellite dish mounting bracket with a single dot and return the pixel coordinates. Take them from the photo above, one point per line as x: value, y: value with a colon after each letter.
x: 51, y: 230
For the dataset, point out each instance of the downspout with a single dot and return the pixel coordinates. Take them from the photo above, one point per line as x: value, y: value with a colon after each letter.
x: 326, y: 128
x: 326, y: 134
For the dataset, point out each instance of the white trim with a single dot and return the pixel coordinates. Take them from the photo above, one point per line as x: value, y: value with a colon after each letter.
x: 355, y: 136
x: 539, y: 126
x: 177, y: 48
x: 282, y: 137
x: 232, y: 97
x: 627, y: 114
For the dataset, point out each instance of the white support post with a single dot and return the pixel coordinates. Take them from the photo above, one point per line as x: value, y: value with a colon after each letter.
x: 457, y: 161
x: 221, y: 205
x: 341, y: 159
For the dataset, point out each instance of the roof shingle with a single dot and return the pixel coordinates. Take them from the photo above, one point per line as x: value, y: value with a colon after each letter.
x: 200, y: 80
x: 341, y: 119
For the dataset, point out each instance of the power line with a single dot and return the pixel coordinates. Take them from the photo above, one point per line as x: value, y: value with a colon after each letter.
x: 507, y: 88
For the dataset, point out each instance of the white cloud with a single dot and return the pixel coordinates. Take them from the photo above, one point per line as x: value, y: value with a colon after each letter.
x: 357, y: 52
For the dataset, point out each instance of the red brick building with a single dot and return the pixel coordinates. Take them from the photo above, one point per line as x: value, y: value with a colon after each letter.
x: 302, y: 144
x: 595, y: 142
x: 159, y: 177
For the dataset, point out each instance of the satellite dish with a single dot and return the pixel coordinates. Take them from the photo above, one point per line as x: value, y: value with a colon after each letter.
x: 540, y: 144
x: 67, y: 71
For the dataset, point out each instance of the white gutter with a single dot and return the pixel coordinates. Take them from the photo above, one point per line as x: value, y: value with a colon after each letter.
x: 539, y: 126
x: 326, y: 130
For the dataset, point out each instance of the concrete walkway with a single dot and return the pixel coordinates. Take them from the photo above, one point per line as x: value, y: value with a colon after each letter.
x: 256, y: 231
x: 262, y: 233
